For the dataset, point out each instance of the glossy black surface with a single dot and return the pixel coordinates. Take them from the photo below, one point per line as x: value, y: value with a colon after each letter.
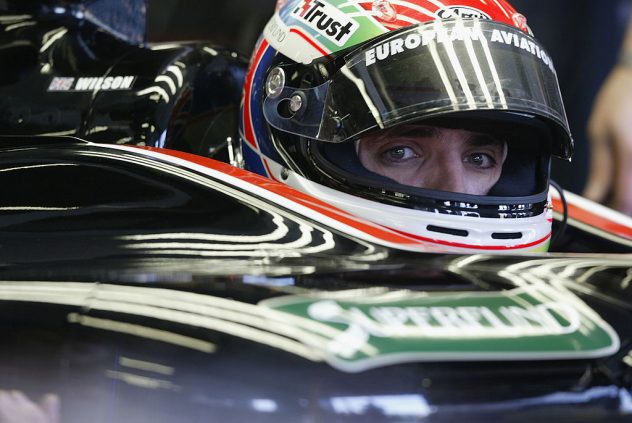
x: 109, y: 364
x: 183, y: 96
x: 89, y: 206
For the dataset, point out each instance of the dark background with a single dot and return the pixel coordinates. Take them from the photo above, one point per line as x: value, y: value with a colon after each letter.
x: 232, y: 23
x: 583, y: 38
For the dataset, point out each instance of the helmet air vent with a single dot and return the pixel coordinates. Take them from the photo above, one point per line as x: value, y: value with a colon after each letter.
x: 508, y: 235
x: 447, y: 231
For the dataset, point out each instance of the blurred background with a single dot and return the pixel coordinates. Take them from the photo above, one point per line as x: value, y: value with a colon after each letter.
x: 583, y: 38
x: 233, y: 23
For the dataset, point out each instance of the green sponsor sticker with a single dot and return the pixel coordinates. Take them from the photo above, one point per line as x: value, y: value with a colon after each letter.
x: 355, y: 331
x: 334, y: 24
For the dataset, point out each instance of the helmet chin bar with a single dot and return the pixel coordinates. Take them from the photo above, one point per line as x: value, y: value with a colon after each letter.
x: 436, y: 232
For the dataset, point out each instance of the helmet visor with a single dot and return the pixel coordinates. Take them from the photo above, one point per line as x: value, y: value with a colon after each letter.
x: 423, y: 71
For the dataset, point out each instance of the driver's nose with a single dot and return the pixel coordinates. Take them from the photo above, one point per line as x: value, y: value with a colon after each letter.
x: 446, y: 174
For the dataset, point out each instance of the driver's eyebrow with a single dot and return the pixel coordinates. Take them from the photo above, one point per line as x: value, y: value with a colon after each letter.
x: 484, y: 140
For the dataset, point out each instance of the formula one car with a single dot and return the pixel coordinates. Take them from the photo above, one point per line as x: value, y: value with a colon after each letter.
x: 142, y: 283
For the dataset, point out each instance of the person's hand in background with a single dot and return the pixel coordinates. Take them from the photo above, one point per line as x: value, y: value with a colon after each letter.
x: 610, y: 134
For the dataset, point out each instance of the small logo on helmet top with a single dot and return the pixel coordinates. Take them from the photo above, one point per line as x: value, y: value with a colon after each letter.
x: 302, y: 10
x: 384, y: 10
x: 465, y: 12
x: 326, y: 19
x: 521, y: 22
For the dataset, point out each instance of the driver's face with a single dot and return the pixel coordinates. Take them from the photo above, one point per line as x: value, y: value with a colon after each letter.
x: 436, y: 158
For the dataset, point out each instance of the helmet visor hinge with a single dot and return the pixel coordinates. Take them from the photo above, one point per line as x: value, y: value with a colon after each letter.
x: 275, y: 82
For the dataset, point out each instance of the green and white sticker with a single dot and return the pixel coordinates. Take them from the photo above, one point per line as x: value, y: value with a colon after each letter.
x: 307, y: 29
x: 355, y: 332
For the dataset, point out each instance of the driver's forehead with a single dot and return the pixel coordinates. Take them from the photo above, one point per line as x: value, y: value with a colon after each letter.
x: 426, y: 133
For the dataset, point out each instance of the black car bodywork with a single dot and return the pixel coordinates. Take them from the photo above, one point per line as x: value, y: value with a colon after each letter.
x: 141, y: 289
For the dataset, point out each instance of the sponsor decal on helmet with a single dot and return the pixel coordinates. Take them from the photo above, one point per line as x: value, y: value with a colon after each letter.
x: 420, y: 39
x: 327, y: 20
x: 464, y: 12
x: 441, y: 35
x: 523, y: 42
x: 109, y: 83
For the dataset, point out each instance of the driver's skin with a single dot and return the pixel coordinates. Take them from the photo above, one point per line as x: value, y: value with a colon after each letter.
x: 431, y: 157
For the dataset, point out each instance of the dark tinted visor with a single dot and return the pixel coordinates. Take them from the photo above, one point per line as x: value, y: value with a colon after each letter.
x: 423, y: 71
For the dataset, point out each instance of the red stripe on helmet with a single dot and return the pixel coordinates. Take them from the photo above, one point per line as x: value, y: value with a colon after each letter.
x: 427, y: 10
x: 254, y: 64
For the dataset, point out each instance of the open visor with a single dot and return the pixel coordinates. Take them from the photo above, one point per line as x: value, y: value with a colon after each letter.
x: 422, y: 71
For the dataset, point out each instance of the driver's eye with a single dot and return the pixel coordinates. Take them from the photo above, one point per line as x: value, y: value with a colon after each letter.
x: 400, y: 153
x: 481, y: 160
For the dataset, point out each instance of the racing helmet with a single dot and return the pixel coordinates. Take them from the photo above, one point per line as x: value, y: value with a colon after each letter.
x: 325, y: 73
